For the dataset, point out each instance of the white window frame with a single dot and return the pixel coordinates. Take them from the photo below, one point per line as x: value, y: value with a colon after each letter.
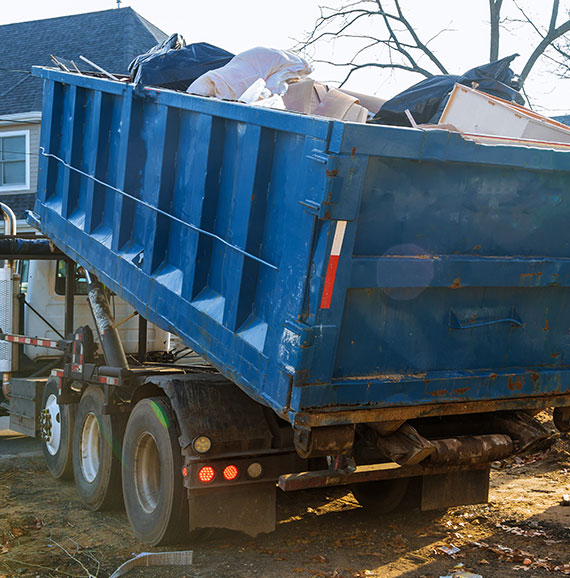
x: 26, y: 186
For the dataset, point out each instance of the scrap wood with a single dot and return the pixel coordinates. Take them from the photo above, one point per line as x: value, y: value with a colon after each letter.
x: 146, y: 559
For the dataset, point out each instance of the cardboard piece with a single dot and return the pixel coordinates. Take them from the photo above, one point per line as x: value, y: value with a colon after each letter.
x: 372, y: 103
x: 311, y: 97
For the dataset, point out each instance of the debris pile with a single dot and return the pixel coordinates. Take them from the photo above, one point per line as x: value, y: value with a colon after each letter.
x: 484, y: 104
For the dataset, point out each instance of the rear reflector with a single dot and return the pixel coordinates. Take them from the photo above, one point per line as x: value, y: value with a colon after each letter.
x: 230, y: 473
x: 206, y: 474
x: 254, y: 470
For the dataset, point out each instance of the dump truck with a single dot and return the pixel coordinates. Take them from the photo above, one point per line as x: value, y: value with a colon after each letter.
x: 370, y: 306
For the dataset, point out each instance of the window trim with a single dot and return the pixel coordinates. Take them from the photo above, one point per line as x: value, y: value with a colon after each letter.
x: 26, y: 186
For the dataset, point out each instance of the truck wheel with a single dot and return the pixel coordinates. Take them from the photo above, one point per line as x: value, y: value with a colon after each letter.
x: 56, y: 429
x: 155, y: 497
x: 380, y: 497
x: 97, y: 440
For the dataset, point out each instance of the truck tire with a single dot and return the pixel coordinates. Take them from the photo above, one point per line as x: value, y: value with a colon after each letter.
x: 380, y: 497
x: 155, y: 497
x: 56, y: 431
x: 97, y: 441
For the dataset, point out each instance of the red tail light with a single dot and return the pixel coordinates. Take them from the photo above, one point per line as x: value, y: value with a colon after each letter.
x: 231, y: 473
x: 206, y: 474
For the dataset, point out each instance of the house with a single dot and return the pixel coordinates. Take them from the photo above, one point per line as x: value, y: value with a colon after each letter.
x: 565, y: 119
x: 110, y: 38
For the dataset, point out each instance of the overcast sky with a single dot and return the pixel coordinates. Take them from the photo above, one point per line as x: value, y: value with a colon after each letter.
x: 239, y: 25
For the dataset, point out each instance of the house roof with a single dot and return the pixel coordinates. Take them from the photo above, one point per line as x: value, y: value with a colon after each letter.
x: 19, y: 203
x: 110, y: 38
x: 565, y: 119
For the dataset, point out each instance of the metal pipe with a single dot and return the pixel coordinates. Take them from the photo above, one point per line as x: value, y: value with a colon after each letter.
x: 21, y: 324
x: 69, y: 294
x: 9, y: 225
x: 9, y: 219
x: 10, y: 228
x: 113, y: 351
x: 142, y: 339
x: 21, y: 248
x: 471, y: 449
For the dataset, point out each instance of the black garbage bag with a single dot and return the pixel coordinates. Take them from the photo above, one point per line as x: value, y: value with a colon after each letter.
x: 174, y: 42
x: 174, y: 65
x: 426, y: 100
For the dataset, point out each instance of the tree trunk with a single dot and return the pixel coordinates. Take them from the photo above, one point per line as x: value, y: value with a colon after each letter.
x: 495, y: 14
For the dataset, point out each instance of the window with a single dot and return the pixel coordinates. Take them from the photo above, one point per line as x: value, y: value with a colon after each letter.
x: 24, y: 271
x: 14, y: 160
x: 80, y: 280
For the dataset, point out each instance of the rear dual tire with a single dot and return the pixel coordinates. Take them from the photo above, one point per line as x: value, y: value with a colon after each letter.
x: 153, y: 486
x: 56, y: 431
x: 97, y: 441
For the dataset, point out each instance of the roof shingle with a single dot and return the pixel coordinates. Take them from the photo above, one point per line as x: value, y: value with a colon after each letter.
x: 110, y: 38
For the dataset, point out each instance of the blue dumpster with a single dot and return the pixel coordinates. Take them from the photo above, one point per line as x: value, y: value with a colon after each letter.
x: 336, y: 272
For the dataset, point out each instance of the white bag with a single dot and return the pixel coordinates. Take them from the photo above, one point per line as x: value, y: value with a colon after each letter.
x: 275, y: 67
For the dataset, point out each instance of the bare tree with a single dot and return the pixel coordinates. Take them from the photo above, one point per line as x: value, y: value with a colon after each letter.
x: 388, y: 39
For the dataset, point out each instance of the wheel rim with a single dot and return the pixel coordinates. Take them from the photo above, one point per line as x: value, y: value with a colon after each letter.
x: 147, y: 472
x: 54, y: 416
x: 90, y: 447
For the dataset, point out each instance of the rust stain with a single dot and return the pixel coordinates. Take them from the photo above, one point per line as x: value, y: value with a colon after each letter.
x: 476, y: 248
x: 393, y: 377
x: 439, y: 393
x: 462, y: 390
x: 333, y: 173
x: 546, y: 326
x: 493, y: 376
x: 555, y: 355
x: 456, y: 283
x: 353, y: 152
x: 434, y: 257
x: 534, y: 377
x: 529, y: 275
x: 515, y: 383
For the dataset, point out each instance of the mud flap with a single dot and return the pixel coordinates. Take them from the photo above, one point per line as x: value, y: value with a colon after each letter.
x: 455, y: 489
x: 249, y: 508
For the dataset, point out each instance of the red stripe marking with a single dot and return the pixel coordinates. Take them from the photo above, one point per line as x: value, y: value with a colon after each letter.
x: 329, y: 282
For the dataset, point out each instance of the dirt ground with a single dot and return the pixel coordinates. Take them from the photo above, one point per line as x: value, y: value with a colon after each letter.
x: 523, y: 532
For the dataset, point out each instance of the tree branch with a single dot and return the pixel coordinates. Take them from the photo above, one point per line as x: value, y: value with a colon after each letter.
x: 552, y: 35
x: 417, y: 40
